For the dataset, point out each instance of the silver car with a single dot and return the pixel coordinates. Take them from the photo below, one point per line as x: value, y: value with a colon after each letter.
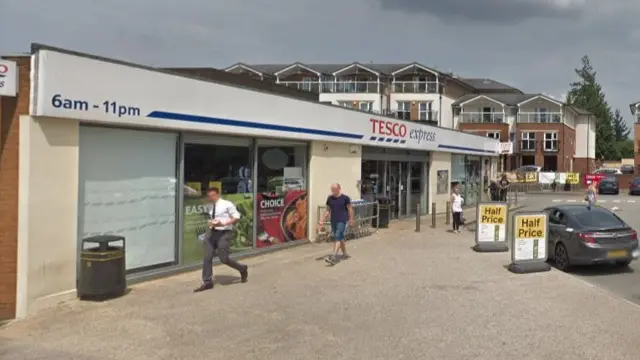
x: 579, y: 235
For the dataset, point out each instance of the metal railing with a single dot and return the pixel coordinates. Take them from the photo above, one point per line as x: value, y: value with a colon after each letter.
x: 423, y: 116
x: 544, y: 118
x: 355, y: 87
x: 482, y: 117
x: 365, y: 218
x: 428, y: 87
x: 302, y: 85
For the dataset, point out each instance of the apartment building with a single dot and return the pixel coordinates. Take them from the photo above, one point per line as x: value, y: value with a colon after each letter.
x: 409, y: 91
x: 533, y: 129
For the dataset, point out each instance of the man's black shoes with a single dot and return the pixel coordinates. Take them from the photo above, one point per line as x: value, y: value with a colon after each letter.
x: 244, y: 275
x: 203, y: 287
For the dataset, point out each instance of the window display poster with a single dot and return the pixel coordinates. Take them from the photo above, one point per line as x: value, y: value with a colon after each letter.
x: 443, y: 181
x: 282, y: 217
x: 196, y: 220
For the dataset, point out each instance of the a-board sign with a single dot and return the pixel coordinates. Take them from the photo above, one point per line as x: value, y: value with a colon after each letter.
x: 491, y: 225
x: 531, y: 177
x: 530, y: 231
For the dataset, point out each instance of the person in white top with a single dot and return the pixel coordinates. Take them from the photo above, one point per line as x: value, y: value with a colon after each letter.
x: 456, y: 207
x: 217, y: 239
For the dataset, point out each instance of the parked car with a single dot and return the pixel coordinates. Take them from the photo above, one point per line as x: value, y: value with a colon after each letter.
x: 609, y: 185
x: 634, y: 187
x: 608, y: 171
x: 626, y: 169
x: 579, y: 235
x: 528, y: 168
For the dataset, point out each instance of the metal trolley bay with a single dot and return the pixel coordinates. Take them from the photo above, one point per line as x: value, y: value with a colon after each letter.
x: 365, y: 217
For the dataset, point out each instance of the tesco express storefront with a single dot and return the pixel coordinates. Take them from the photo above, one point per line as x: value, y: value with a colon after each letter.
x: 118, y: 148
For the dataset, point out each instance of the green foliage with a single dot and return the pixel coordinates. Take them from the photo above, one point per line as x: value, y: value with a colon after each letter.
x: 625, y: 148
x: 620, y: 128
x: 586, y: 93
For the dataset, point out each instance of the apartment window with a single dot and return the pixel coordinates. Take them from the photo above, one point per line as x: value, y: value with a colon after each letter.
x: 542, y: 115
x: 424, y: 112
x: 494, y: 135
x: 487, y: 114
x: 551, y: 141
x: 366, y: 106
x: 404, y: 110
x: 306, y: 83
x: 528, y: 141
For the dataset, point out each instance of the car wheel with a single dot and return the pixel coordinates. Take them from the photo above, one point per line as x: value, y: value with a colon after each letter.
x: 623, y: 264
x: 618, y: 192
x: 561, y: 257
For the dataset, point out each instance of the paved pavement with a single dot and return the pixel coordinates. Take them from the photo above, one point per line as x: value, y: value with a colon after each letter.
x: 623, y: 282
x: 403, y: 295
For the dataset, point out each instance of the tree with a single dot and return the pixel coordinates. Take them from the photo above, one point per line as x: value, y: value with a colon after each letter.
x: 586, y: 93
x: 620, y: 128
x: 625, y: 148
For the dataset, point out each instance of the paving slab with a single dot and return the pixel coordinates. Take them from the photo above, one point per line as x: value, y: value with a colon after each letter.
x: 403, y: 295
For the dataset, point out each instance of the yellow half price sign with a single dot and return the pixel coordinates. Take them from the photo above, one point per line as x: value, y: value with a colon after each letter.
x: 531, y: 177
x: 530, y: 227
x: 573, y: 178
x: 493, y: 214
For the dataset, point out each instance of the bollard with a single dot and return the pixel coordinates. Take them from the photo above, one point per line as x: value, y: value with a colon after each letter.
x: 447, y: 215
x: 433, y: 215
x: 418, y: 217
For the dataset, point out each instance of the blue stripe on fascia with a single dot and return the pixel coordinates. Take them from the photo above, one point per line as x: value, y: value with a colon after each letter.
x: 462, y: 148
x: 395, y: 141
x: 248, y: 124
x: 372, y: 138
x: 403, y: 141
x: 389, y: 139
x: 381, y: 139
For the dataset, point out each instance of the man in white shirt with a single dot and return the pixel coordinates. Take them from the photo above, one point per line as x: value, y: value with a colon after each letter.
x: 217, y: 239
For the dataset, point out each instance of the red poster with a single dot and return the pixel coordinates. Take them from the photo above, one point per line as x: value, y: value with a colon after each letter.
x: 282, y: 217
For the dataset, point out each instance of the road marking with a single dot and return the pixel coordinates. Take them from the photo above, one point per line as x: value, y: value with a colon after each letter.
x: 572, y: 201
x: 599, y: 201
x: 616, y: 201
x: 556, y: 200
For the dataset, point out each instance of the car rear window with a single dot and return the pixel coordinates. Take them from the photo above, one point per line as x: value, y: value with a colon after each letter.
x: 636, y: 181
x: 597, y: 217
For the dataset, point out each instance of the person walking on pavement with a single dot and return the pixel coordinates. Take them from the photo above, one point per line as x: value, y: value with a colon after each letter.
x: 592, y: 196
x: 503, y: 184
x: 341, y: 211
x: 217, y: 238
x: 456, y: 208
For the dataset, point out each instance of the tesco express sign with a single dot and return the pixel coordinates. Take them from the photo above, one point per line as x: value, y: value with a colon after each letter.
x: 400, y: 130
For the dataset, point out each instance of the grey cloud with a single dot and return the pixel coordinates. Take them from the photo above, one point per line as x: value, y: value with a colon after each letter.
x: 489, y: 11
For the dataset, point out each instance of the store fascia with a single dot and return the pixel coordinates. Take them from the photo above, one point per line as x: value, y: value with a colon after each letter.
x: 257, y: 158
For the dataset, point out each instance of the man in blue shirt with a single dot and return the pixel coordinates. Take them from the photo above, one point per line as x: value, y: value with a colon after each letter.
x: 341, y: 211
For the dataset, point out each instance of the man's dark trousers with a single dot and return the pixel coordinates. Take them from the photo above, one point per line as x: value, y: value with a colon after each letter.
x: 218, y: 241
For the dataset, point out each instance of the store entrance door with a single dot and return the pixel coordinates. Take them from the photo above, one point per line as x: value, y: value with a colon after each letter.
x: 397, y: 187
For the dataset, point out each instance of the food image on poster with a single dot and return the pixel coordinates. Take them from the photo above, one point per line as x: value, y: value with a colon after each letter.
x: 282, y: 217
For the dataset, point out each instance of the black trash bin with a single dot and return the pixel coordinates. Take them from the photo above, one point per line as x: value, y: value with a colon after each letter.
x: 384, y: 212
x: 102, y: 267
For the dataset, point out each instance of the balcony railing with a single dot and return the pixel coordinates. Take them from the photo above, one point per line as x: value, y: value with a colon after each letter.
x: 544, y: 118
x: 427, y: 87
x: 428, y: 117
x: 353, y: 86
x: 482, y: 117
x: 302, y: 85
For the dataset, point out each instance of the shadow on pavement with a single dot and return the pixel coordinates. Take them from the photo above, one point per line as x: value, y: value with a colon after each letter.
x: 599, y: 270
x: 226, y: 280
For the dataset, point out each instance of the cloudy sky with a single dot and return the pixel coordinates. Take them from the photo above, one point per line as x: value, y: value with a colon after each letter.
x: 531, y: 44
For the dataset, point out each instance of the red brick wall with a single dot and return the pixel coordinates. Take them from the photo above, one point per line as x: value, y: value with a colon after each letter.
x: 483, y: 129
x: 10, y: 110
x: 566, y: 144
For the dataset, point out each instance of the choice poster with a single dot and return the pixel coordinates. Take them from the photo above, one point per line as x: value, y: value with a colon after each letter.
x: 196, y: 221
x: 282, y: 217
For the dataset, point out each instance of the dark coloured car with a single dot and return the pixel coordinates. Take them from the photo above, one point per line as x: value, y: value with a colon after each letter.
x: 579, y: 235
x: 609, y: 185
x: 634, y: 187
x: 626, y: 169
